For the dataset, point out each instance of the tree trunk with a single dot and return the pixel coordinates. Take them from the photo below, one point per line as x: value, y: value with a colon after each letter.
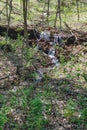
x: 48, y: 5
x: 25, y: 2
x: 8, y: 15
x: 59, y: 6
x: 55, y: 21
x: 77, y: 5
x: 58, y: 11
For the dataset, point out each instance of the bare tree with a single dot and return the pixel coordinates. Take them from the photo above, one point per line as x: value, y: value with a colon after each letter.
x: 8, y: 14
x: 77, y: 5
x: 59, y: 7
x: 48, y: 6
x: 25, y: 3
x: 58, y: 12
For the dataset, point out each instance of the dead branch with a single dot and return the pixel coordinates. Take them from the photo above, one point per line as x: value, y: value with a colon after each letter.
x: 5, y: 77
x: 68, y: 28
x: 2, y: 10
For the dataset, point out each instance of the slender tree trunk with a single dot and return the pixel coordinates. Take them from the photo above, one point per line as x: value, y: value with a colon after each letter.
x: 48, y: 6
x: 8, y: 15
x: 25, y: 2
x: 55, y: 21
x: 58, y: 11
x: 77, y: 5
x: 6, y: 10
x: 1, y: 11
x: 28, y: 8
x: 59, y: 7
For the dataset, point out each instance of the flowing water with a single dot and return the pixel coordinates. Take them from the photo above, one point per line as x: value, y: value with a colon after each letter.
x: 51, y: 53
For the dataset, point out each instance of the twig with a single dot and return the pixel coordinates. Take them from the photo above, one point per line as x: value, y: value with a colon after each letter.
x: 2, y: 10
x: 77, y: 51
x: 69, y: 29
x: 7, y: 76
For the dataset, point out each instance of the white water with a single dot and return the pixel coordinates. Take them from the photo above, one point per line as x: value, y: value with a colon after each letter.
x: 51, y: 54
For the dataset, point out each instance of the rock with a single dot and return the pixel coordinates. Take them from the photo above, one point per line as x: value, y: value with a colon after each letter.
x: 45, y: 35
x: 51, y: 51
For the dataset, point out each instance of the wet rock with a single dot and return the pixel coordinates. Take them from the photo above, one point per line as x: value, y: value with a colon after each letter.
x: 45, y: 35
x: 57, y: 39
x: 55, y: 61
x: 53, y: 38
x: 51, y: 54
x: 39, y: 76
x: 51, y: 51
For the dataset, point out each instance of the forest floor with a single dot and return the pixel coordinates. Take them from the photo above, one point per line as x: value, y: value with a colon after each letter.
x: 63, y: 88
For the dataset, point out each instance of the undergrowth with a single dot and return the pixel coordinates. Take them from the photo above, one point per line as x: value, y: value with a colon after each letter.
x: 61, y: 94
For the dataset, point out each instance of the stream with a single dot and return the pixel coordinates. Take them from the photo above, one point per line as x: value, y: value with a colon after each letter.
x: 51, y: 52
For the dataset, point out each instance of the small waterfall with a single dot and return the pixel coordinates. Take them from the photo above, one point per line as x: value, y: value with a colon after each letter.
x: 56, y: 40
x: 45, y: 35
x: 51, y: 52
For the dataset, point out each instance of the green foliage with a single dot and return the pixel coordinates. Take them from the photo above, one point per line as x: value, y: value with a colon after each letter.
x: 14, y: 101
x: 82, y: 101
x: 35, y: 119
x: 83, y: 110
x: 83, y: 116
x: 18, y: 43
x: 36, y: 106
x: 70, y: 108
x: 3, y: 112
x: 62, y: 59
x: 29, y: 55
x: 3, y: 119
x: 81, y: 119
x: 84, y: 75
x: 1, y: 98
x: 20, y: 101
x: 2, y: 42
x: 32, y: 106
